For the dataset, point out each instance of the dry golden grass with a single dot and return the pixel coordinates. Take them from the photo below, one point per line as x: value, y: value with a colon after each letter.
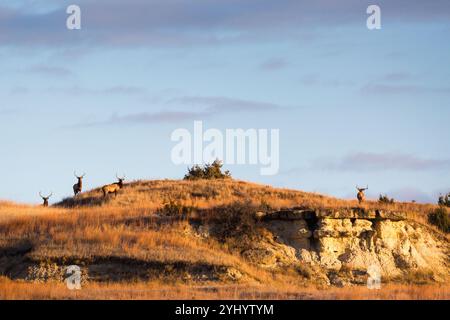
x: 128, y: 227
x: 130, y: 235
x: 144, y: 198
x: 12, y: 211
x: 204, y: 194
x: 13, y: 290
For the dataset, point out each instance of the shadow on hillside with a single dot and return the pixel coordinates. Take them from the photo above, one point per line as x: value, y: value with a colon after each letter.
x: 128, y: 269
x: 14, y: 261
x: 119, y: 269
x: 19, y: 248
x: 81, y: 202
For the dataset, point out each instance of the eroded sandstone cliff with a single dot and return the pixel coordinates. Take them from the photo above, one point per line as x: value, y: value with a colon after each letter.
x: 349, y: 242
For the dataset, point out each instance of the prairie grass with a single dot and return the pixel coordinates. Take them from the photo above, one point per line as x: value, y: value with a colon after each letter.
x: 13, y: 290
x: 200, y: 194
x: 145, y: 224
x: 204, y: 194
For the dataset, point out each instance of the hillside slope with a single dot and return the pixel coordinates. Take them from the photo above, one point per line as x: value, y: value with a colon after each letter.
x: 220, y: 232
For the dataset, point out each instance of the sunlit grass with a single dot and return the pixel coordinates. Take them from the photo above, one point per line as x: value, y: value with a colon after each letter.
x: 130, y: 226
x: 157, y: 290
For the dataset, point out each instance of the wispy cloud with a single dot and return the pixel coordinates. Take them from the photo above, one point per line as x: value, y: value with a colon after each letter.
x: 148, y: 118
x: 365, y: 161
x: 19, y: 90
x: 48, y: 71
x: 394, y: 89
x: 223, y: 104
x: 204, y: 107
x: 314, y: 79
x: 397, y: 76
x: 187, y: 23
x: 114, y: 90
x: 410, y: 194
x: 309, y: 79
x: 274, y: 64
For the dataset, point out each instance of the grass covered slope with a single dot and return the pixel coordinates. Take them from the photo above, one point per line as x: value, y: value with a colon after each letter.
x: 152, y: 232
x: 204, y: 194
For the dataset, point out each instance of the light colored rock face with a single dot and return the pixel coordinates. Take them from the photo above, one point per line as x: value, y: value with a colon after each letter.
x: 292, y: 233
x: 394, y: 246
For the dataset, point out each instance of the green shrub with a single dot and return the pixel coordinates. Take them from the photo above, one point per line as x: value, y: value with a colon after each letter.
x: 440, y: 218
x: 444, y: 200
x: 385, y: 199
x: 208, y: 171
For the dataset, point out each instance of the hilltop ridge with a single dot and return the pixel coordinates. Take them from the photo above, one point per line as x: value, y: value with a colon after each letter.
x: 210, y: 193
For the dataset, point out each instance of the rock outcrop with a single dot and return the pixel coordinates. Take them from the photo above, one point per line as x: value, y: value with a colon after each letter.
x: 352, y: 240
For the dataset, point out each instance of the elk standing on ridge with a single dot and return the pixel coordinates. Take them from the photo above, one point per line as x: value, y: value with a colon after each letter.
x: 113, y: 188
x: 78, y: 187
x: 45, y: 204
x: 361, y: 196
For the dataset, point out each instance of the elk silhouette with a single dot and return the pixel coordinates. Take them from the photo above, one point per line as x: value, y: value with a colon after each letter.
x: 113, y: 188
x: 45, y: 204
x: 78, y: 187
x: 361, y: 196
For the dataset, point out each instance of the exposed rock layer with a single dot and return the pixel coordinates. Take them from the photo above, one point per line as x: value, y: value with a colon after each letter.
x: 354, y: 240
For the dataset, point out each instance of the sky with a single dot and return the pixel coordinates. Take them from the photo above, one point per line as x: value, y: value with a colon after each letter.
x: 353, y: 106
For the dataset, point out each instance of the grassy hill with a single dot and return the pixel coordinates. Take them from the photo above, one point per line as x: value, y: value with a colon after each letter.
x: 150, y: 239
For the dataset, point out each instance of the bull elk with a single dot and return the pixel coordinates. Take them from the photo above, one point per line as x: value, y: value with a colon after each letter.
x: 45, y: 199
x: 361, y: 196
x: 78, y: 187
x: 113, y: 188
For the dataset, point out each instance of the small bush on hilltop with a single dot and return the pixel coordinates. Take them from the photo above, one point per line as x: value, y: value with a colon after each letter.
x: 440, y: 218
x: 208, y: 171
x: 444, y: 200
x: 385, y: 199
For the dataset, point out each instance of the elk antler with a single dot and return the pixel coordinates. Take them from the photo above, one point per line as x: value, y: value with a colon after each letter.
x: 79, y: 177
x: 48, y: 197
x: 117, y: 176
x: 362, y: 189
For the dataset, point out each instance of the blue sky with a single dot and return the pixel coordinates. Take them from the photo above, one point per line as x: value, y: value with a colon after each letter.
x: 353, y: 106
